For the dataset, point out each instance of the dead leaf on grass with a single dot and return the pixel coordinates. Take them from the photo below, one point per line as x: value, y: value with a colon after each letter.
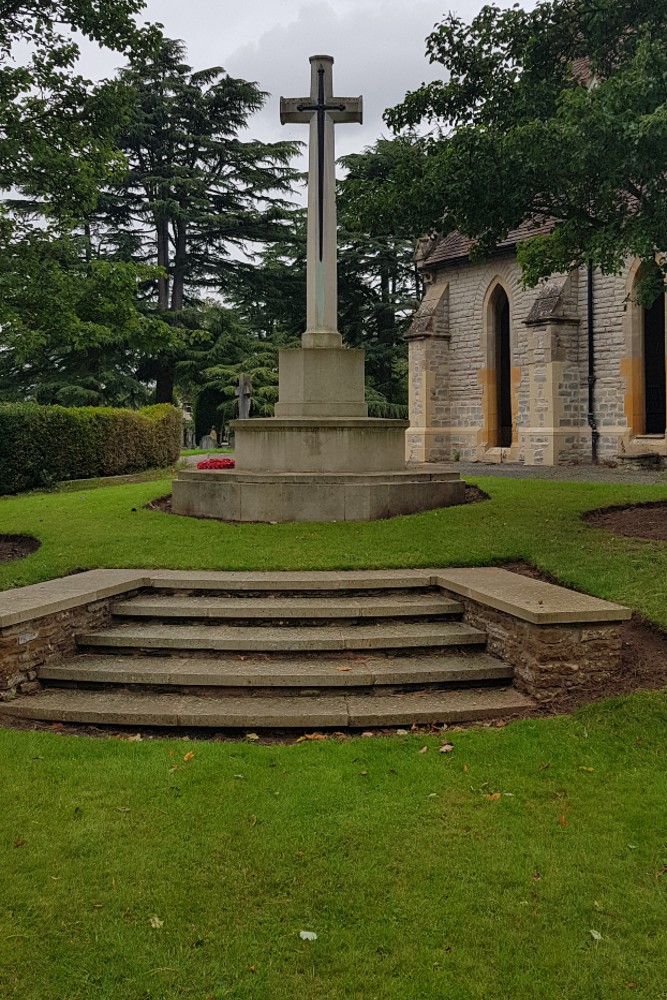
x: 343, y: 669
x: 446, y: 748
x: 563, y: 821
x: 493, y: 796
x: 424, y: 750
x: 189, y: 755
x: 155, y: 922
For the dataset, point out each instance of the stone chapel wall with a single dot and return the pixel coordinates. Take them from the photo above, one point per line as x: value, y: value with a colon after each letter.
x: 452, y: 373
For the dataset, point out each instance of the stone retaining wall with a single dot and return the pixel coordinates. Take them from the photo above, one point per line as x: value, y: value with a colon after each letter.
x: 26, y: 646
x: 549, y: 660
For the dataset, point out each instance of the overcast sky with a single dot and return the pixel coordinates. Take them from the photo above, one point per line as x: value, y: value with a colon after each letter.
x: 378, y: 48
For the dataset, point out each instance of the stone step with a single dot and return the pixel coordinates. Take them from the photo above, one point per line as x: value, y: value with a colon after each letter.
x: 295, y: 582
x: 338, y: 672
x: 272, y: 608
x: 287, y: 640
x: 300, y: 712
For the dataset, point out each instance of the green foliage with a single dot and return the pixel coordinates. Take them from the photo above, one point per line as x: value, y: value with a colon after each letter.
x: 71, y: 325
x: 56, y: 129
x: 40, y: 445
x: 557, y: 112
x: 201, y: 199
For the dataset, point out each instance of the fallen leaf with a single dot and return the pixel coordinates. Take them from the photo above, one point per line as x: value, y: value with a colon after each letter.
x: 314, y: 736
x: 137, y: 738
x: 589, y: 769
x: 493, y: 796
x: 633, y: 847
x: 189, y: 755
x: 122, y: 809
x: 401, y: 732
x: 562, y: 821
x: 308, y: 936
x: 343, y: 669
x: 252, y: 736
x: 543, y: 767
x: 363, y: 773
x: 253, y: 821
x: 465, y: 768
x: 19, y: 843
x: 368, y: 733
x: 240, y: 777
x: 424, y: 750
x: 445, y: 748
x: 155, y: 922
x: 595, y: 935
x: 433, y: 795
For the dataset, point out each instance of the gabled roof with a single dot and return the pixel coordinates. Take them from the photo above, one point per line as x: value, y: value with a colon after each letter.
x: 455, y: 246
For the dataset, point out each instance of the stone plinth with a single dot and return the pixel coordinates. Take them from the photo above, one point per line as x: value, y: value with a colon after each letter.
x: 298, y: 445
x: 313, y: 496
x: 321, y: 382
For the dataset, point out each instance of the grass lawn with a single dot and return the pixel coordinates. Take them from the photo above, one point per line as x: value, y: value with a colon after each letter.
x: 524, y: 519
x: 530, y: 863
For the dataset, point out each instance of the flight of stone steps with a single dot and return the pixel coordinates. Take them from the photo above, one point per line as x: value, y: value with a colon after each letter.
x: 375, y: 654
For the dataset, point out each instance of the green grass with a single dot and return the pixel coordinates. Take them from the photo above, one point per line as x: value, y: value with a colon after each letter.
x: 416, y: 883
x: 418, y: 886
x: 534, y: 520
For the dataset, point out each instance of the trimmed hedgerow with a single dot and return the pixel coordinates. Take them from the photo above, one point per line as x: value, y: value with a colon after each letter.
x: 42, y: 445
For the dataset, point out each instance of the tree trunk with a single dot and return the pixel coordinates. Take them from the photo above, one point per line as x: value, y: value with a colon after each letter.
x: 178, y: 285
x: 164, y: 388
x: 163, y: 262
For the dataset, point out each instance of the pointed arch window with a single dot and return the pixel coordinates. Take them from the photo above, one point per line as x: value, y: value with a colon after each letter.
x: 500, y: 321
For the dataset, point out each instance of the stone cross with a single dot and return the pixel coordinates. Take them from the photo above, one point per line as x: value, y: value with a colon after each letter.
x: 322, y: 112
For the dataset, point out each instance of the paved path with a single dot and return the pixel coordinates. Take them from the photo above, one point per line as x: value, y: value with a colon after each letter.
x: 563, y: 473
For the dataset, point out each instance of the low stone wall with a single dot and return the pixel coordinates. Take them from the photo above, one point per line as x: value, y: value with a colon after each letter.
x: 29, y: 645
x: 549, y: 660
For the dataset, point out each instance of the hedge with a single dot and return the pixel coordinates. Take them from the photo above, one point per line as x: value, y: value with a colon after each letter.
x: 42, y: 445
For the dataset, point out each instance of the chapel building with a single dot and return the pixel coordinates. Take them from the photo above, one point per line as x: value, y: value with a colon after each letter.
x: 570, y: 372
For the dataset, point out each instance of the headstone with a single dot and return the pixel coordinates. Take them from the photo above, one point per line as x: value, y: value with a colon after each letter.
x: 243, y: 392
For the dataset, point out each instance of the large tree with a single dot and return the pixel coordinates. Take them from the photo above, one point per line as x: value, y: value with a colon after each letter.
x: 555, y: 113
x: 56, y: 129
x: 200, y: 199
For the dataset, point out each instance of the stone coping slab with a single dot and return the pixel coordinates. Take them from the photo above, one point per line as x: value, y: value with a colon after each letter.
x: 48, y: 598
x: 524, y: 598
x: 531, y: 600
x: 416, y: 474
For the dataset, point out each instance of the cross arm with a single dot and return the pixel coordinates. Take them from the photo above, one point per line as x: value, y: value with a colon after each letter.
x: 289, y: 112
x: 354, y: 110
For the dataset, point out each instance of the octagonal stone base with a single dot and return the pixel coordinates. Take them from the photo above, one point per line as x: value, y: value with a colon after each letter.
x: 340, y: 445
x: 287, y: 496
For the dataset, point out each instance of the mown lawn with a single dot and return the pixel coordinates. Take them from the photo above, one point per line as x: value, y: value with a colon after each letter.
x: 529, y: 863
x: 533, y: 520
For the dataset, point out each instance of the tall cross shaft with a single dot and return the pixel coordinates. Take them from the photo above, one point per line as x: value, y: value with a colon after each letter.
x: 321, y: 111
